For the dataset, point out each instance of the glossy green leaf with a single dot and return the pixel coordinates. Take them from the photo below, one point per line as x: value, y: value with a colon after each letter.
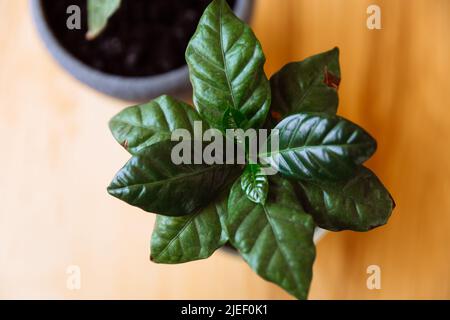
x: 307, y: 86
x: 152, y: 182
x: 140, y: 126
x: 191, y: 237
x: 255, y: 183
x: 360, y: 203
x: 226, y: 69
x: 233, y: 119
x: 275, y: 239
x: 320, y: 146
x: 99, y: 12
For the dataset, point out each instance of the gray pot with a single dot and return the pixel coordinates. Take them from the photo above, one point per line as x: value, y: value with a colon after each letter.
x: 139, y: 89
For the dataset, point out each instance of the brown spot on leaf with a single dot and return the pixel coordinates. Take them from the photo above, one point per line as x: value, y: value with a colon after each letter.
x: 276, y: 115
x: 125, y: 144
x: 330, y: 79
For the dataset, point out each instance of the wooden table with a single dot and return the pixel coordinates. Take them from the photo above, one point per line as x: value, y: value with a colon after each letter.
x: 58, y: 157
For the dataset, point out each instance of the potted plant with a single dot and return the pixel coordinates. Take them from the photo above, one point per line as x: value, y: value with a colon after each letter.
x: 268, y: 218
x: 134, y: 49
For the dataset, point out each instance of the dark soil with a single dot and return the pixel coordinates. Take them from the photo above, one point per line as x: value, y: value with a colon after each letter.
x: 143, y: 38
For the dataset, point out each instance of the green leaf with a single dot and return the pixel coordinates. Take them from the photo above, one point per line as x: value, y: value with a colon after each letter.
x: 307, y: 86
x: 360, y: 203
x: 255, y: 183
x: 152, y: 182
x: 99, y: 12
x: 192, y: 237
x: 226, y: 69
x: 138, y: 127
x: 320, y: 146
x: 275, y: 239
x: 233, y: 119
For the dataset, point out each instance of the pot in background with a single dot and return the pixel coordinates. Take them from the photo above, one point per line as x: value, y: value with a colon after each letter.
x: 136, y: 89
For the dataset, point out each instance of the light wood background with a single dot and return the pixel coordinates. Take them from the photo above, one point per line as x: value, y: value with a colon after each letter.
x: 57, y: 158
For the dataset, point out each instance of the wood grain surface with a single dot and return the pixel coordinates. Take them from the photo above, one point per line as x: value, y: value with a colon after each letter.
x: 58, y: 157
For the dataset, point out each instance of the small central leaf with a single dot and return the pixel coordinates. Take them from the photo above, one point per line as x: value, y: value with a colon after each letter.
x: 255, y: 183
